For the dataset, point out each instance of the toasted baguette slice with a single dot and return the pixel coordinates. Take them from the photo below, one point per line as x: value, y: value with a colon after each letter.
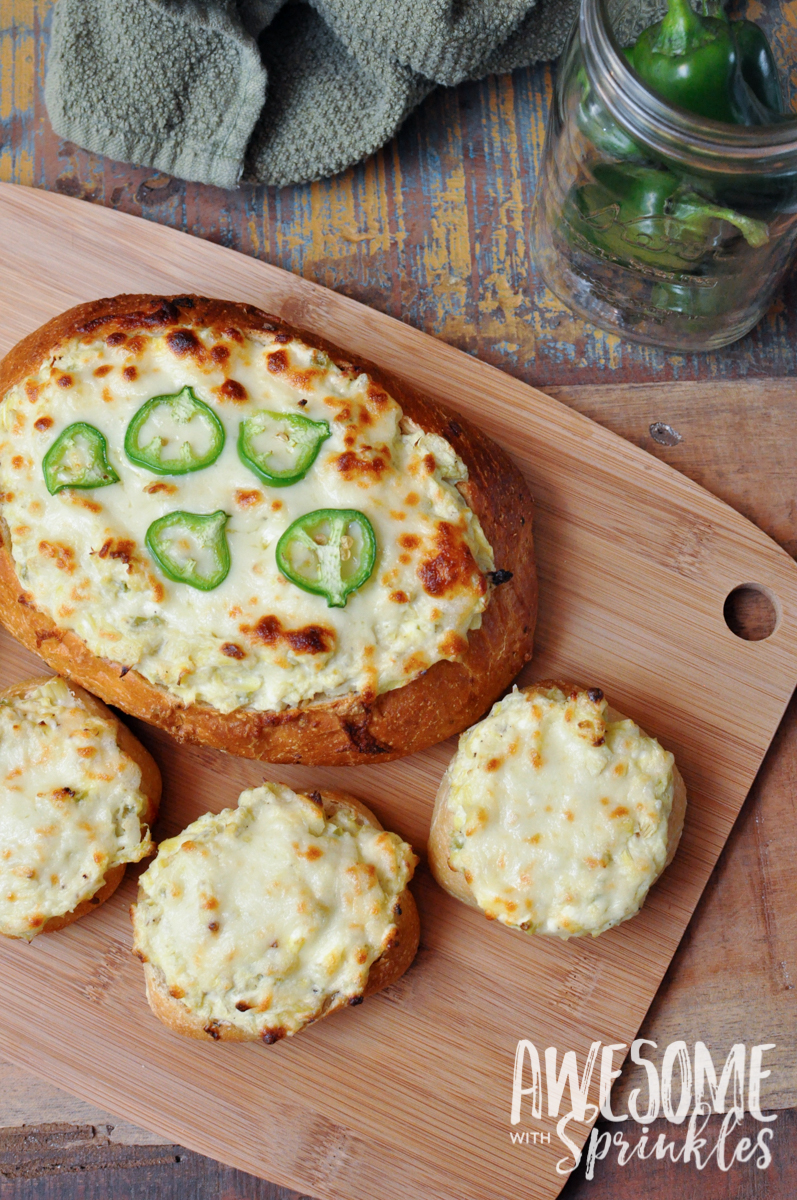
x: 452, y: 551
x: 52, y: 731
x: 259, y: 858
x: 553, y: 763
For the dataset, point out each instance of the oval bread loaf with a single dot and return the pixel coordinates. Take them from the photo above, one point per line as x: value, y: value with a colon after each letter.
x: 238, y: 533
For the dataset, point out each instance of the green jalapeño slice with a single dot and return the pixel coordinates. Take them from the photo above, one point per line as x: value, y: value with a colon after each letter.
x: 172, y: 435
x: 191, y: 548
x: 78, y: 458
x: 331, y: 552
x: 280, y: 447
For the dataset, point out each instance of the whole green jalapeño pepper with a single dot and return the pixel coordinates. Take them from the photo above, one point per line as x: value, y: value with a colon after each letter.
x: 280, y: 447
x: 692, y: 60
x: 184, y: 434
x: 756, y: 60
x: 330, y: 552
x: 641, y: 214
x: 191, y: 548
x: 758, y: 66
x: 78, y: 458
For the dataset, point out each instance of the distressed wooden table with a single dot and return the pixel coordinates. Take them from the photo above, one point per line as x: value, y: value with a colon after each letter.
x: 436, y: 229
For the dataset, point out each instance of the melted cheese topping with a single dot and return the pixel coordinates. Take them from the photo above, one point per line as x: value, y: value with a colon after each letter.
x: 256, y: 641
x: 70, y: 807
x: 559, y: 814
x: 269, y: 915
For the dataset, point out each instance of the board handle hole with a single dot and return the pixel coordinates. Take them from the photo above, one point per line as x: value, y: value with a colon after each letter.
x: 752, y: 612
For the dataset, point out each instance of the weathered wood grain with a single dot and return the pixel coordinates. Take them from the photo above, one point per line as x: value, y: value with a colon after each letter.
x: 436, y: 229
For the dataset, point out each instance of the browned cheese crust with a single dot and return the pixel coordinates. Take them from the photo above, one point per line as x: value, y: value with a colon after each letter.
x: 150, y: 787
x: 389, y: 967
x: 444, y: 700
x: 454, y: 882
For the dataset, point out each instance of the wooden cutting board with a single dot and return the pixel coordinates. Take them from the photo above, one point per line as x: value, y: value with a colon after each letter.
x: 409, y: 1096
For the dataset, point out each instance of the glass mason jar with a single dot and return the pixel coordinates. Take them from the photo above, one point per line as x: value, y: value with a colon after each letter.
x: 659, y: 225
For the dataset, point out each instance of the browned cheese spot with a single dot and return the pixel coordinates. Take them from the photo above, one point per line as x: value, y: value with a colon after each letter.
x: 232, y: 650
x: 376, y: 395
x: 116, y: 339
x: 84, y: 502
x: 248, y: 498
x: 231, y: 389
x: 410, y: 541
x: 493, y: 764
x: 312, y: 639
x: 184, y: 342
x: 453, y: 645
x: 168, y: 489
x: 17, y: 462
x: 43, y: 424
x: 62, y: 556
x: 277, y: 362
x: 101, y: 372
x: 569, y: 815
x: 32, y: 391
x: 276, y: 505
x: 366, y: 465
x: 87, y: 751
x: 620, y: 811
x: 452, y: 566
x: 130, y: 373
x: 119, y: 548
x: 107, y: 395
x: 312, y: 853
x: 65, y: 381
x: 219, y: 353
x: 399, y: 597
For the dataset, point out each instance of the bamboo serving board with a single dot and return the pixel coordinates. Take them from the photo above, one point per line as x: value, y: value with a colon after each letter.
x: 409, y: 1095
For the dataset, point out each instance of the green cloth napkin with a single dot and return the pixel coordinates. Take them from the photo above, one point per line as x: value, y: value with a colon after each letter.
x: 264, y: 91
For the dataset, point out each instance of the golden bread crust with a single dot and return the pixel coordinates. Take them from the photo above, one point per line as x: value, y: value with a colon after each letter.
x: 444, y: 700
x: 385, y: 970
x: 454, y: 882
x: 150, y: 787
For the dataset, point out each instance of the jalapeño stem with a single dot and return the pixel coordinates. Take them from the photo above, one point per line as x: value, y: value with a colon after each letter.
x: 330, y: 552
x: 191, y: 548
x: 167, y: 451
x: 78, y: 458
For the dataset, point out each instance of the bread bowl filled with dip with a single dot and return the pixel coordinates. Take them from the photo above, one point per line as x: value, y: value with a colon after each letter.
x: 230, y: 529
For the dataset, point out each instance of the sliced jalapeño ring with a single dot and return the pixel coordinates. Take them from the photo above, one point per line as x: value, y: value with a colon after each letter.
x: 330, y: 552
x: 78, y: 458
x: 280, y: 448
x: 175, y: 434
x: 191, y: 548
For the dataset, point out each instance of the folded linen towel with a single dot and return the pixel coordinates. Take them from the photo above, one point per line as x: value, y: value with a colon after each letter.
x: 269, y: 91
